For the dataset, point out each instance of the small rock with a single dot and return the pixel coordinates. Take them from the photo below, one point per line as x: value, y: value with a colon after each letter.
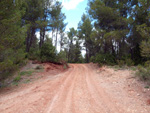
x: 138, y: 94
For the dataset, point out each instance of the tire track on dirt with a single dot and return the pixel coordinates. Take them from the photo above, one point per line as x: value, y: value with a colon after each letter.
x: 27, y: 98
x: 77, y: 90
x: 100, y: 95
x: 81, y: 98
x: 98, y: 106
x: 56, y: 105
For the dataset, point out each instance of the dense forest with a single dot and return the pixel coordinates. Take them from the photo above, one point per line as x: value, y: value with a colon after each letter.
x: 112, y: 32
x: 20, y: 20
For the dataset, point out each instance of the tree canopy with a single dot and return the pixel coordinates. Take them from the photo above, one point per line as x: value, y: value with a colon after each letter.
x: 110, y: 32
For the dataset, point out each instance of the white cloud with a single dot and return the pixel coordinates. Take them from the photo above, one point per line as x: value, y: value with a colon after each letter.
x: 70, y: 4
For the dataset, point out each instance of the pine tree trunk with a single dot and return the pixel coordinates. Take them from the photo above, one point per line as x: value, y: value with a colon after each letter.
x: 87, y: 54
x: 52, y: 34
x: 40, y: 44
x: 56, y: 38
x: 27, y: 41
x: 30, y: 39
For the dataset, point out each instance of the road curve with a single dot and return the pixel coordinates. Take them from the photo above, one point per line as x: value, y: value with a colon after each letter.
x: 74, y: 91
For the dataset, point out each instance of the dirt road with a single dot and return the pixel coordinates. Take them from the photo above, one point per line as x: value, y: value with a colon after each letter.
x: 79, y: 90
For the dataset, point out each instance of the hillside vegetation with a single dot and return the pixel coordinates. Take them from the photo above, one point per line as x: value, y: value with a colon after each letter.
x: 112, y: 32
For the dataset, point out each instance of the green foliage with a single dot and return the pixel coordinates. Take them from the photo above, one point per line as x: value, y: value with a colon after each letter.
x: 144, y: 72
x: 28, y: 73
x: 19, y: 22
x: 84, y: 31
x: 27, y: 81
x: 12, y: 36
x: 133, y: 68
x: 17, y: 79
x: 34, y: 54
x: 145, y: 48
x: 48, y: 53
x: 92, y: 59
x: 73, y: 48
x: 125, y: 60
x: 65, y: 67
x: 144, y: 31
x: 121, y: 30
x: 129, y: 62
x: 62, y: 56
x: 147, y: 87
x: 147, y: 64
x: 121, y: 63
x: 104, y: 59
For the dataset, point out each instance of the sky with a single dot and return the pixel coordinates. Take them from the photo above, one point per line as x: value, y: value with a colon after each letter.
x: 73, y: 10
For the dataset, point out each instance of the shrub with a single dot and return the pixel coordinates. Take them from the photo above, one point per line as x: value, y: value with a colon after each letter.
x: 110, y: 59
x: 147, y: 64
x: 17, y: 78
x: 92, y: 59
x: 62, y: 56
x: 103, y: 59
x: 48, y: 53
x: 144, y: 72
x: 129, y: 62
x: 10, y: 60
x: 121, y: 63
x: 34, y: 54
x: 99, y: 58
x: 29, y: 73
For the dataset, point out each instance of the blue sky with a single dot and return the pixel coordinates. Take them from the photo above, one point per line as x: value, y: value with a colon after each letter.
x: 73, y: 10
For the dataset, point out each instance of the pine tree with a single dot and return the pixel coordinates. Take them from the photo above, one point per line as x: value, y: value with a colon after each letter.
x: 84, y: 32
x: 71, y: 35
x: 12, y: 35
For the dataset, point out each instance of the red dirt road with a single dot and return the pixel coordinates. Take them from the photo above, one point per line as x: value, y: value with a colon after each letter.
x: 79, y: 90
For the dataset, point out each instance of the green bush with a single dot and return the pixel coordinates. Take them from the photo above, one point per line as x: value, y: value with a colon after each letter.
x: 34, y: 54
x: 99, y: 58
x: 121, y: 63
x: 62, y: 56
x: 144, y: 72
x: 110, y: 59
x: 147, y: 64
x: 103, y: 59
x: 48, y: 53
x: 92, y: 59
x: 11, y: 60
x: 129, y: 62
x: 29, y: 73
x: 17, y: 78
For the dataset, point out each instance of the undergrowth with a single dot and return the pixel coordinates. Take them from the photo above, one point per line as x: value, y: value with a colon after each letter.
x: 144, y: 73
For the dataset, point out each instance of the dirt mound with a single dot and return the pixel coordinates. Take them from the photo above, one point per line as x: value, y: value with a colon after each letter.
x: 51, y: 66
x: 33, y: 71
